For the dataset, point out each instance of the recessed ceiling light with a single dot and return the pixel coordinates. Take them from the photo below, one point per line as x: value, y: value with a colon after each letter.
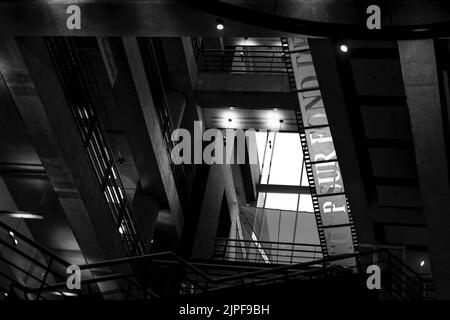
x: 422, y: 263
x: 220, y: 24
x: 343, y: 48
x: 15, y: 242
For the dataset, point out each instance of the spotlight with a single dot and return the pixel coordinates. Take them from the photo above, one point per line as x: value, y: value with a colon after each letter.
x: 343, y: 48
x: 15, y: 242
x: 220, y: 24
x: 11, y: 234
x: 422, y: 263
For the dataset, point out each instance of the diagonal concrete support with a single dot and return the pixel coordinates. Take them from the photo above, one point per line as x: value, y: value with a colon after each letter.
x: 420, y: 79
x: 36, y: 91
x: 153, y: 127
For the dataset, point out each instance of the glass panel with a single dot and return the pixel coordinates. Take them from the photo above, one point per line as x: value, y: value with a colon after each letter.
x: 283, y: 201
x: 287, y: 159
x: 305, y: 204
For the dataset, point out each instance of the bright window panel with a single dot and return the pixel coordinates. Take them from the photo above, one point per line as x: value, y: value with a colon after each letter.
x: 282, y: 201
x: 287, y: 159
x: 305, y: 204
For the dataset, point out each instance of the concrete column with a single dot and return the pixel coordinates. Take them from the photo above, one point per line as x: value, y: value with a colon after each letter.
x: 420, y: 77
x: 56, y: 149
x: 153, y: 128
x: 325, y: 64
x: 177, y: 105
x: 146, y: 208
x: 37, y: 93
x: 209, y: 215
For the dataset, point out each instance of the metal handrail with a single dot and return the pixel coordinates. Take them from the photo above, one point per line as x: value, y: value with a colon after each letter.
x: 72, y: 75
x: 286, y: 270
x: 241, y: 59
x: 406, y: 282
x: 274, y: 250
x: 34, y: 244
x: 48, y: 265
x: 271, y: 242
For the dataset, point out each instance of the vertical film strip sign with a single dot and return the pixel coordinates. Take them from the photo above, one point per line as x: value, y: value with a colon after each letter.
x: 336, y: 229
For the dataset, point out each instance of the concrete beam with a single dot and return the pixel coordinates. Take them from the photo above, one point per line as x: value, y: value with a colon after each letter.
x: 277, y: 188
x: 257, y: 100
x: 127, y: 109
x: 400, y: 216
x: 38, y: 95
x: 259, y: 82
x: 153, y: 127
x: 244, y: 90
x: 57, y: 155
x: 209, y: 216
x: 169, y: 18
x: 420, y: 77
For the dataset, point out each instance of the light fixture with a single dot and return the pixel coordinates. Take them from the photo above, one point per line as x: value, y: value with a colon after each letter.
x: 220, y: 24
x: 422, y: 263
x: 231, y: 108
x: 21, y: 214
x: 343, y: 48
x: 11, y: 234
x: 120, y: 230
x: 64, y: 293
x: 15, y: 242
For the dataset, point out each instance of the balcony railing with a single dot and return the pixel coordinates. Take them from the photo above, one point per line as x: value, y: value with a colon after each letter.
x: 166, y: 270
x: 265, y: 251
x: 29, y: 260
x: 242, y: 59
